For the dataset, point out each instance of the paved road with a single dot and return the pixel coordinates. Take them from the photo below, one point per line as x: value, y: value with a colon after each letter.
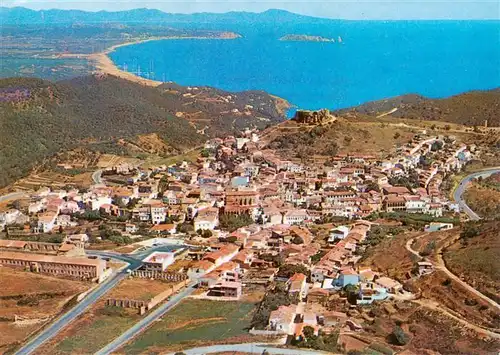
x: 147, y: 321
x: 12, y: 196
x: 457, y: 194
x: 254, y: 348
x: 56, y: 326
x: 96, y: 176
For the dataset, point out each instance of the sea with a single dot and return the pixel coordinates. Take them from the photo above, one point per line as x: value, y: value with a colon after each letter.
x: 372, y: 60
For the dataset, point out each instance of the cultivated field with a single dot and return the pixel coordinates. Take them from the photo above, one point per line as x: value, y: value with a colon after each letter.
x: 139, y: 289
x: 54, y: 180
x: 93, y: 330
x: 101, y: 324
x: 189, y: 156
x: 195, y: 322
x: 34, y: 299
x: 109, y: 161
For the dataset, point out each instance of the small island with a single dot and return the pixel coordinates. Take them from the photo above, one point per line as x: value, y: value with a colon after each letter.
x: 306, y: 38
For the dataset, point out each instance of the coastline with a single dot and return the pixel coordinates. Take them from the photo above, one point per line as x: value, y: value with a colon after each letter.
x: 282, y: 105
x: 104, y: 64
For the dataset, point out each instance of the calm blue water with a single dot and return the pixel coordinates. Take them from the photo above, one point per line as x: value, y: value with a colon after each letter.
x: 376, y: 60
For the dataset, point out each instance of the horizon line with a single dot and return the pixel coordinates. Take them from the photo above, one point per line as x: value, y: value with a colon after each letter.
x: 251, y: 12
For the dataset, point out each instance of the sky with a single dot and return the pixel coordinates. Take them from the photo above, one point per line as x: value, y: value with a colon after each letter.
x: 341, y: 9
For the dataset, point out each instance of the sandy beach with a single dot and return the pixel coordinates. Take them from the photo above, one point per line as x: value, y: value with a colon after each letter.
x: 103, y: 62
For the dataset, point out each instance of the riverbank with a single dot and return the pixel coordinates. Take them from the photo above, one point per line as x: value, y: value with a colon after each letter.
x: 103, y: 63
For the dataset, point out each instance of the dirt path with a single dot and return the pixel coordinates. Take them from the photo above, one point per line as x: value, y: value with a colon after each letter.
x: 441, y: 265
x: 410, y: 242
x: 437, y: 307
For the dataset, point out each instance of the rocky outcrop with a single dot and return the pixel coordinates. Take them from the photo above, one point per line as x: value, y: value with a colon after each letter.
x: 306, y: 38
x: 314, y: 117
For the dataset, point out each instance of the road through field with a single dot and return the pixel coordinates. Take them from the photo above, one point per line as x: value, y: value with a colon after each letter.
x: 144, y: 323
x: 55, y: 327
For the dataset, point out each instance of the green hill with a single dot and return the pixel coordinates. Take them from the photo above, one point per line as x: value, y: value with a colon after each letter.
x: 219, y: 112
x: 471, y: 108
x: 39, y: 118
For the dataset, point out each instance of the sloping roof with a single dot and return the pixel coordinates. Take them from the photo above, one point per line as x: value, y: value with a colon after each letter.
x: 66, y: 247
x: 284, y: 314
x: 50, y: 259
x: 163, y: 227
x: 12, y: 244
x: 203, y: 265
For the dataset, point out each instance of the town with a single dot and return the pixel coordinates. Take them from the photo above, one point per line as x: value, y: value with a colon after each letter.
x: 241, y: 218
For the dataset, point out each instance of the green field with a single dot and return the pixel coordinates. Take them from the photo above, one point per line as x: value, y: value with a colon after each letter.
x: 93, y: 336
x: 190, y: 156
x: 194, y: 321
x: 45, y: 68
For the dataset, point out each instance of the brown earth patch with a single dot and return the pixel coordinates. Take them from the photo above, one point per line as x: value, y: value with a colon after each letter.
x: 391, y: 257
x: 438, y: 287
x: 34, y: 297
x: 194, y: 322
x: 139, y: 289
x: 475, y: 260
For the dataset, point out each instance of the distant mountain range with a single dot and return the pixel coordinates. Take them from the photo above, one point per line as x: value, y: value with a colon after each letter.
x: 24, y: 16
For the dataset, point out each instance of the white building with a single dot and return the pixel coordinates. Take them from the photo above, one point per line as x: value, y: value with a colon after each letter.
x: 97, y: 201
x: 295, y: 168
x: 282, y: 319
x: 158, y: 261
x: 35, y: 207
x: 240, y: 142
x: 338, y: 233
x: 206, y: 222
x: 295, y: 217
x: 10, y: 216
x: 414, y: 204
x: 46, y: 222
x: 438, y: 226
x: 158, y: 213
x: 64, y: 220
x: 130, y: 228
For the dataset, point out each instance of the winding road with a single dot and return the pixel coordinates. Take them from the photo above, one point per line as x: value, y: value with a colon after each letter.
x: 56, y: 326
x: 440, y: 265
x: 49, y: 332
x: 97, y: 177
x: 459, y: 191
x: 13, y: 196
x: 435, y: 306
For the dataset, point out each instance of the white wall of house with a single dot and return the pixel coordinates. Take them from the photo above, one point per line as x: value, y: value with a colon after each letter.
x: 158, y: 215
x: 97, y: 202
